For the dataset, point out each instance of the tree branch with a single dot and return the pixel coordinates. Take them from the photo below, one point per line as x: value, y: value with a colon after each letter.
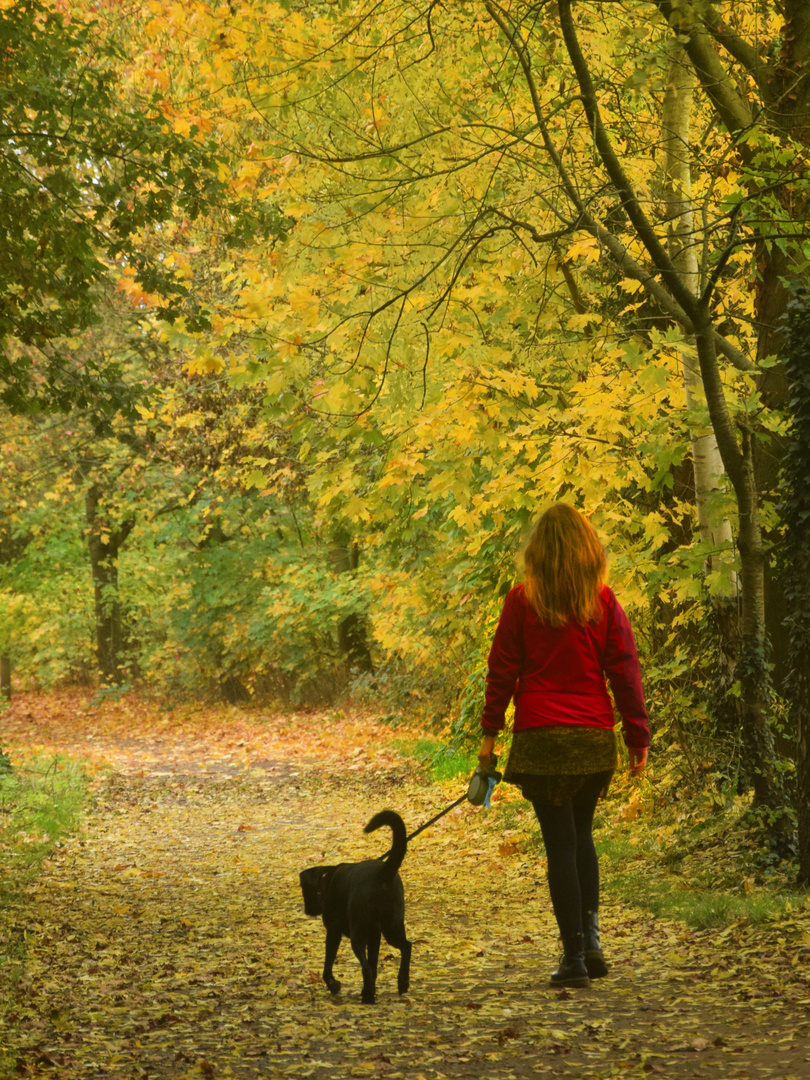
x: 745, y: 53
x: 668, y: 304
x: 723, y: 94
x: 630, y: 204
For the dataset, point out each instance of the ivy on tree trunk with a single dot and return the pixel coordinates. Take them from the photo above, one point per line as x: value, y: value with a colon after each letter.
x: 796, y: 516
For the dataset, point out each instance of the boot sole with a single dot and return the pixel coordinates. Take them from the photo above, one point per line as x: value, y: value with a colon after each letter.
x: 570, y: 984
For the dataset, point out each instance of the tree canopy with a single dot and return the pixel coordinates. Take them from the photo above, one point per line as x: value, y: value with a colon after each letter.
x: 89, y: 170
x: 378, y: 280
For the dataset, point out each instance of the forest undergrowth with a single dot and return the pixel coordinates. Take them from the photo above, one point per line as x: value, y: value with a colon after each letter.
x: 164, y: 934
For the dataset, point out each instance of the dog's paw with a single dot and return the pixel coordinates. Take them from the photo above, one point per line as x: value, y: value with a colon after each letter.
x: 403, y: 985
x: 334, y: 986
x: 369, y: 999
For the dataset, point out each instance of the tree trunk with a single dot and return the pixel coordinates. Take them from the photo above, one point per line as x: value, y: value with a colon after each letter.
x: 352, y: 639
x: 752, y: 666
x: 796, y: 563
x: 800, y: 696
x: 104, y: 543
x: 714, y: 528
x: 5, y: 678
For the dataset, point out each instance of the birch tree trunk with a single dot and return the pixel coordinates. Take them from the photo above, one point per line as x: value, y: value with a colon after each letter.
x: 715, y: 528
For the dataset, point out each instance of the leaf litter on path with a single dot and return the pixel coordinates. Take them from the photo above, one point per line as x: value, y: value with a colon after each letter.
x: 169, y: 940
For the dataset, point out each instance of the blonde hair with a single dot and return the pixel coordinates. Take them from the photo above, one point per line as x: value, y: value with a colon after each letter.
x: 565, y: 567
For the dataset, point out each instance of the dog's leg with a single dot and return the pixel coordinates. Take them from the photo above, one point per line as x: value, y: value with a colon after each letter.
x: 332, y: 945
x: 367, y: 952
x: 395, y: 936
x: 404, y: 977
x: 374, y: 953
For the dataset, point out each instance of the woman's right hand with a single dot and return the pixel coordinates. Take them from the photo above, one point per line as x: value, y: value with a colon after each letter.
x: 487, y: 746
x: 638, y: 759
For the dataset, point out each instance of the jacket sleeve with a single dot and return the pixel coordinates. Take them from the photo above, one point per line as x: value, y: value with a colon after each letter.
x: 505, y: 663
x: 624, y: 675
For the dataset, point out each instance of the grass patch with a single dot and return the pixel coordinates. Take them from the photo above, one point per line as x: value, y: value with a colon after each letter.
x: 709, y: 910
x: 706, y: 871
x: 709, y: 873
x: 442, y: 762
x: 654, y: 889
x: 41, y: 801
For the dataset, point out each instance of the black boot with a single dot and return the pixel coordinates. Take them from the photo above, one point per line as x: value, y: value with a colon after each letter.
x: 594, y: 960
x: 572, y: 971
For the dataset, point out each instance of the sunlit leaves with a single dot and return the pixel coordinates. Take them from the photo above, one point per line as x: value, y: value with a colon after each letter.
x: 86, y: 168
x: 437, y: 349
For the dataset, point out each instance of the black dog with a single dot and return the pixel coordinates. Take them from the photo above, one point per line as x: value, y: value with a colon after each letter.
x: 362, y: 901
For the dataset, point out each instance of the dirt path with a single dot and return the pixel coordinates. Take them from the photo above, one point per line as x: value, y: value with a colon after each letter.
x: 170, y: 941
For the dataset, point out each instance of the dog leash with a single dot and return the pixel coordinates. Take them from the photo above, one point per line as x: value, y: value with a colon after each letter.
x: 441, y: 814
x: 479, y: 792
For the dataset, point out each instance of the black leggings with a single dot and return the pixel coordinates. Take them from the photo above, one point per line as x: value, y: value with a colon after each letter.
x: 573, y: 868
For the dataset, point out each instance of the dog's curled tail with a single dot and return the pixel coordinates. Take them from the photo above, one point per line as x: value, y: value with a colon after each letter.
x: 400, y: 840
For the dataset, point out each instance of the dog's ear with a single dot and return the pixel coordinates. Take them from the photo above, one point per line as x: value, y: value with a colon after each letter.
x: 310, y: 880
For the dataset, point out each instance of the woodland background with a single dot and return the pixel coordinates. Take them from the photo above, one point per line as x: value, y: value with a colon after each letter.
x: 307, y: 311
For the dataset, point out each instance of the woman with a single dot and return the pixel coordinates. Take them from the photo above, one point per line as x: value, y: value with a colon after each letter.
x: 561, y: 634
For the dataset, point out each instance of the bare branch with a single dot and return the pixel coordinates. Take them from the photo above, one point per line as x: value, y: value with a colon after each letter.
x: 630, y: 204
x: 667, y: 303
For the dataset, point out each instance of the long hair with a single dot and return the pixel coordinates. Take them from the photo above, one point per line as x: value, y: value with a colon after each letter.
x: 565, y: 567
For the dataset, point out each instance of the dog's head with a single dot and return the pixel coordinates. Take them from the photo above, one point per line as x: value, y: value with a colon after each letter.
x: 313, y: 882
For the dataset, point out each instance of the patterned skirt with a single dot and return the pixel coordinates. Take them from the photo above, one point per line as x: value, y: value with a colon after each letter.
x: 552, y: 764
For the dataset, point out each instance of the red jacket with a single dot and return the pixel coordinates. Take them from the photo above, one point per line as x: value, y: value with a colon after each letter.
x: 556, y: 674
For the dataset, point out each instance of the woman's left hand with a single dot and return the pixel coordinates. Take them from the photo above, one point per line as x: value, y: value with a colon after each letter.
x: 638, y: 759
x: 487, y: 746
